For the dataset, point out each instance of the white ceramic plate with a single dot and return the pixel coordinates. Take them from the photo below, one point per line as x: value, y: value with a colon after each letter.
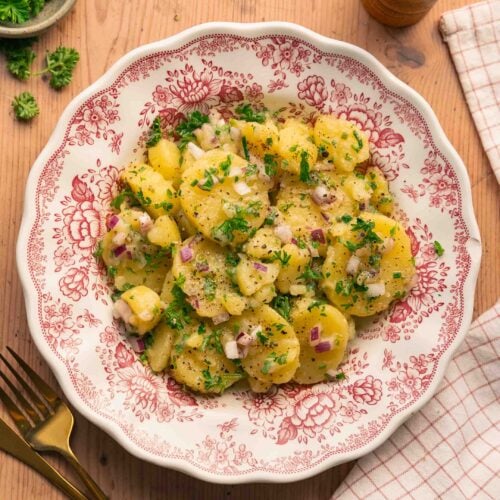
x: 395, y: 364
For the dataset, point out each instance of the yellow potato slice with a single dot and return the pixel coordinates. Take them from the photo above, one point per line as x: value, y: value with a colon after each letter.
x: 369, y: 266
x: 332, y: 328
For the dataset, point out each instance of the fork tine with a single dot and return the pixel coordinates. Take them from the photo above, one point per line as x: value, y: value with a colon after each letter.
x: 43, y: 388
x: 31, y: 393
x: 26, y: 406
x: 22, y: 423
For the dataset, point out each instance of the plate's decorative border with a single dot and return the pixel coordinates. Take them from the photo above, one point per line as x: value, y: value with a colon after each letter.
x: 221, y: 453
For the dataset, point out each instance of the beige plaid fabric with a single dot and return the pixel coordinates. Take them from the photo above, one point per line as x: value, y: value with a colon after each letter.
x: 451, y: 448
x: 473, y: 37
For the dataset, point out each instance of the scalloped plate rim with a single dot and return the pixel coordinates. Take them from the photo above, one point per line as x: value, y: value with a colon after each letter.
x: 249, y: 29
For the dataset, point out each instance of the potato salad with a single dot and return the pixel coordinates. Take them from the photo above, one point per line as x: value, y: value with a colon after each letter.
x: 245, y: 247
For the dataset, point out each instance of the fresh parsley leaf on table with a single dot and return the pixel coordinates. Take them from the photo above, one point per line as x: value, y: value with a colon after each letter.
x: 25, y: 106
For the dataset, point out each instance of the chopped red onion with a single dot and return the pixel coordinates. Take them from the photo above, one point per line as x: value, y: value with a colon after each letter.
x: 145, y: 222
x: 313, y: 252
x: 326, y: 217
x: 242, y: 188
x: 119, y: 250
x: 195, y: 239
x: 202, y: 267
x: 318, y: 235
x: 186, y: 254
x: 193, y: 300
x: 243, y: 351
x: 112, y: 221
x: 255, y: 331
x: 196, y: 151
x: 387, y: 245
x: 236, y: 172
x: 284, y: 233
x: 235, y: 133
x: 321, y: 195
x: 119, y: 238
x: 353, y: 265
x: 324, y: 346
x: 375, y: 289
x: 137, y: 344
x: 260, y: 267
x: 122, y: 310
x: 231, y: 350
x: 315, y: 335
x: 220, y: 318
x: 294, y: 241
x: 244, y: 339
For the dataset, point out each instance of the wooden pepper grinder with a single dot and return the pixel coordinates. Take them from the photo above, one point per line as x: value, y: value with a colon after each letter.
x: 398, y: 13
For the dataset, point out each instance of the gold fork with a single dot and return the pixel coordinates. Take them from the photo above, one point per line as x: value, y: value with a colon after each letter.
x: 49, y: 426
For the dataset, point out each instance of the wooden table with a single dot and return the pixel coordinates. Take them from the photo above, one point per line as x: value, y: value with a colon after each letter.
x: 104, y: 30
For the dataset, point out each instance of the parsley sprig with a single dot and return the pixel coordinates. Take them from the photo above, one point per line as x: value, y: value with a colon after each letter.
x: 60, y: 66
x: 25, y: 106
x: 19, y: 55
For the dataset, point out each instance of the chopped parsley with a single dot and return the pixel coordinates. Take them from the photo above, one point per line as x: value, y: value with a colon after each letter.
x: 225, y: 166
x: 359, y: 142
x: 226, y: 230
x: 177, y: 313
x: 282, y: 305
x: 273, y: 359
x: 209, y: 287
x: 126, y: 194
x: 244, y: 145
x: 212, y: 341
x: 155, y: 133
x: 186, y: 128
x: 282, y: 256
x: 305, y: 175
x: 438, y: 248
x: 270, y: 165
x: 246, y: 113
x: 208, y: 181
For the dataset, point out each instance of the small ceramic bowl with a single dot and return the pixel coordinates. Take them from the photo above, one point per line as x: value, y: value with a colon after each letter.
x: 51, y: 14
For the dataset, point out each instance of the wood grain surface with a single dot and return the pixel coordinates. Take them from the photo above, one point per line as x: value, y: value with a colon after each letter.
x: 104, y: 30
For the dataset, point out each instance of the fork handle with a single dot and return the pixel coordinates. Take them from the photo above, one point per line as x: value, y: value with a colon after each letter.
x: 92, y: 486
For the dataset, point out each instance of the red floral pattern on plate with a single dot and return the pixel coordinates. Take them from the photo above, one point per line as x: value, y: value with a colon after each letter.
x: 389, y: 368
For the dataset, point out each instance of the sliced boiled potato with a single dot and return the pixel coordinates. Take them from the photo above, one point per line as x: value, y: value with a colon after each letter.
x: 342, y: 141
x: 289, y: 275
x: 322, y: 355
x: 297, y: 149
x: 165, y: 158
x: 158, y: 352
x: 252, y: 275
x: 200, y: 265
x: 263, y: 245
x: 273, y: 357
x: 381, y: 198
x: 224, y: 198
x: 156, y: 194
x: 132, y: 260
x: 369, y: 266
x: 198, y: 360
x: 164, y: 232
x: 299, y: 212
x: 145, y: 305
x: 261, y: 138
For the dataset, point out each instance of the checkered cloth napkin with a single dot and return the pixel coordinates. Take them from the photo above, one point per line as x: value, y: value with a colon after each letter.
x: 473, y: 37
x: 451, y: 448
